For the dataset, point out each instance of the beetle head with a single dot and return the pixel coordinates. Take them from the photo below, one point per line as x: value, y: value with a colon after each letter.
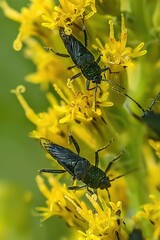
x: 97, y: 79
x: 105, y: 183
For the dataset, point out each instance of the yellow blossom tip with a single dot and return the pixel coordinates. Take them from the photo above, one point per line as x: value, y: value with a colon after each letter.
x: 19, y: 89
x: 17, y: 45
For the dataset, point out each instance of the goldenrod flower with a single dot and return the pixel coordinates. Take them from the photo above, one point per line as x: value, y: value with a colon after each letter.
x: 151, y: 212
x: 50, y: 68
x: 30, y: 19
x: 103, y: 222
x: 81, y: 105
x: 75, y: 109
x: 68, y: 12
x: 93, y: 116
x: 156, y: 146
x: 47, y: 123
x: 152, y: 170
x: 115, y: 54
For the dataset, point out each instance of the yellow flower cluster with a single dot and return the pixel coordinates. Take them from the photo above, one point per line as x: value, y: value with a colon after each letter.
x: 104, y: 221
x: 151, y: 213
x: 93, y: 116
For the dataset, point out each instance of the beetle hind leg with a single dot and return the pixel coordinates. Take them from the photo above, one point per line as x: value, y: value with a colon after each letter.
x: 75, y: 143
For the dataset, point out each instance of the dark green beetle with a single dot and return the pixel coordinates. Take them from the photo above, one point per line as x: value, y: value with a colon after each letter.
x: 79, y: 167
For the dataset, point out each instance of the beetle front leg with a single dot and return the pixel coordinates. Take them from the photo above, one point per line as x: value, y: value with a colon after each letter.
x: 88, y: 84
x: 99, y: 150
x: 112, y: 161
x: 109, y: 196
x: 107, y: 69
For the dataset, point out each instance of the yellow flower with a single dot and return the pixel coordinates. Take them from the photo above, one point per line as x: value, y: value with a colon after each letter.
x: 156, y: 146
x: 50, y: 68
x: 115, y: 54
x: 151, y: 212
x: 153, y: 169
x: 68, y: 12
x: 74, y: 113
x: 103, y: 222
x: 47, y: 123
x: 80, y: 105
x: 57, y: 202
x: 30, y: 19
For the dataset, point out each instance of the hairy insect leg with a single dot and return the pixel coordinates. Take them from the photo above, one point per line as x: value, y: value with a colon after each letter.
x: 154, y: 101
x: 112, y: 161
x: 85, y: 34
x: 88, y: 84
x: 99, y: 58
x: 75, y: 143
x: 57, y: 53
x: 76, y: 76
x: 108, y: 69
x: 95, y: 93
x: 100, y: 149
x: 109, y: 196
x: 70, y: 67
x: 117, y: 235
x: 44, y: 170
x: 76, y: 187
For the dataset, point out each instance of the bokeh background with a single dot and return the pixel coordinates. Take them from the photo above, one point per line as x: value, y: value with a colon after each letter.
x: 20, y: 156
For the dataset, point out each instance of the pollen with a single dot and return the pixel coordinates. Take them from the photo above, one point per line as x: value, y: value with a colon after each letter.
x: 115, y: 53
x: 68, y: 12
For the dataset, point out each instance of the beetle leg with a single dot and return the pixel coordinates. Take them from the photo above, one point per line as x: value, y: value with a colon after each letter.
x: 57, y: 53
x: 87, y: 85
x: 99, y: 58
x: 75, y: 143
x: 107, y: 69
x: 92, y: 192
x: 70, y: 67
x: 51, y: 171
x: 109, y: 196
x: 76, y: 76
x: 96, y: 153
x: 154, y: 101
x: 85, y: 34
x: 112, y: 161
x: 77, y: 187
x: 117, y: 235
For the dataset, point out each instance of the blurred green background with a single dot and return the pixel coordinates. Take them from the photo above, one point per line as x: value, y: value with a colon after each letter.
x: 20, y: 156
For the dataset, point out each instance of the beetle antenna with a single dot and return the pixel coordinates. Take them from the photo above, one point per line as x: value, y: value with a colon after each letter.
x: 125, y: 94
x: 113, y: 83
x: 122, y: 175
x: 154, y: 101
